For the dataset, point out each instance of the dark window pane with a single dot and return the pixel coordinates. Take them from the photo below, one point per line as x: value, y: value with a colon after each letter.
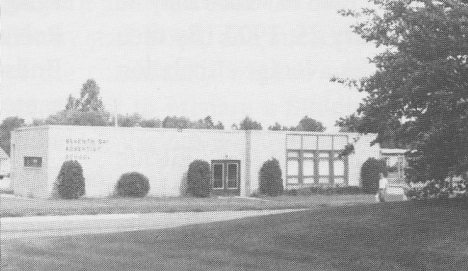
x: 33, y: 161
x: 232, y: 175
x: 217, y: 176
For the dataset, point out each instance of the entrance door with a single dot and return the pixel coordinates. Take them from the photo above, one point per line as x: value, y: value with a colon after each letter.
x: 225, y: 176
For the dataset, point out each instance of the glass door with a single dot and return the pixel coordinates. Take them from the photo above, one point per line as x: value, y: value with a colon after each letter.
x: 226, y: 177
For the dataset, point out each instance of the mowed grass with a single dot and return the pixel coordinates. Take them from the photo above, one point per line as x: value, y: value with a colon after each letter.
x: 388, y: 236
x: 11, y: 207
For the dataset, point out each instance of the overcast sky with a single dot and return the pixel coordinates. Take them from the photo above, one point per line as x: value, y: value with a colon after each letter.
x: 271, y: 60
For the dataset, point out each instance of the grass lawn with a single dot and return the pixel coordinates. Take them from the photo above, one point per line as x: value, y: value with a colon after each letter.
x: 33, y: 207
x: 388, y: 236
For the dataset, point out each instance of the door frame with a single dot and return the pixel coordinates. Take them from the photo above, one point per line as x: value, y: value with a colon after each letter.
x: 225, y: 189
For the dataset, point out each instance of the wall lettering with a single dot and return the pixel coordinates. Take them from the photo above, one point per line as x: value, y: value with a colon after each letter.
x: 83, y: 148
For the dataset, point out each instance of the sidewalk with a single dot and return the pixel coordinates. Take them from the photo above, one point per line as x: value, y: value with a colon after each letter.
x: 49, y: 226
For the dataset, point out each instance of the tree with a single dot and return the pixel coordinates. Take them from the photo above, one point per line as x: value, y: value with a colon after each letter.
x: 129, y: 120
x: 419, y: 92
x: 9, y: 124
x: 209, y: 122
x: 219, y: 126
x: 354, y: 124
x: 76, y: 117
x: 186, y: 123
x: 150, y: 123
x: 349, y: 123
x: 249, y: 124
x: 278, y: 127
x: 177, y: 122
x: 88, y: 110
x: 89, y: 98
x: 310, y: 125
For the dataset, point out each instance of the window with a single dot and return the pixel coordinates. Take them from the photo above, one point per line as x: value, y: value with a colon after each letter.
x: 316, y: 167
x: 314, y: 159
x: 32, y: 161
x: 293, y: 167
x: 218, y: 179
x: 232, y: 175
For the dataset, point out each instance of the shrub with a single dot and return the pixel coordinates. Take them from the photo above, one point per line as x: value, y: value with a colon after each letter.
x: 434, y: 189
x: 132, y: 184
x: 370, y: 174
x: 198, y: 179
x: 271, y: 181
x: 70, y: 183
x: 336, y: 190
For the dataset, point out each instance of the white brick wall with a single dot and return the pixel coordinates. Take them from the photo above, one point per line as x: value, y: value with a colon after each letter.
x: 163, y: 155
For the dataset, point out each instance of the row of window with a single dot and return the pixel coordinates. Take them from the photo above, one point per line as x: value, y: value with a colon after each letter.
x: 316, y: 167
x: 303, y: 167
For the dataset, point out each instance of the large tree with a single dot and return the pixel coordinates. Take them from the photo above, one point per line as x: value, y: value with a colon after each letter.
x: 419, y: 92
x: 8, y: 125
x: 349, y: 124
x: 87, y: 110
x: 89, y: 98
x: 354, y: 124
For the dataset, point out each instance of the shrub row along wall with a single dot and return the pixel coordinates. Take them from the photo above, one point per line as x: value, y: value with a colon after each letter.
x: 70, y: 183
x: 162, y: 155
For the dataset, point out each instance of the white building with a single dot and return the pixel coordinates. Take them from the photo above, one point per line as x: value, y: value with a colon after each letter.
x: 164, y: 155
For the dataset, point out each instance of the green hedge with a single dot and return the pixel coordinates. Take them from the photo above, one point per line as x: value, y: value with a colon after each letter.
x: 70, y: 183
x: 199, y: 179
x: 271, y: 181
x: 132, y: 184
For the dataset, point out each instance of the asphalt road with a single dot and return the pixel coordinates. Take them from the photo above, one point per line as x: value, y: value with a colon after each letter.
x: 50, y: 226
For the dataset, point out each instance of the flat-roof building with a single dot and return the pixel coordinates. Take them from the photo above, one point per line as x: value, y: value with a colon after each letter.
x: 164, y: 155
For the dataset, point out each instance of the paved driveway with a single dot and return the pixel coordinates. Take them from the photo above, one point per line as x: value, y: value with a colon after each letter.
x: 44, y: 226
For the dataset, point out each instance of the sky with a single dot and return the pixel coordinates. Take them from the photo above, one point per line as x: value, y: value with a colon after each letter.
x: 270, y: 60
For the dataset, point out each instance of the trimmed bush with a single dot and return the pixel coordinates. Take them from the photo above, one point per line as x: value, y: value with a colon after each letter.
x: 271, y: 181
x: 70, y: 183
x: 198, y: 179
x: 370, y: 174
x: 132, y: 184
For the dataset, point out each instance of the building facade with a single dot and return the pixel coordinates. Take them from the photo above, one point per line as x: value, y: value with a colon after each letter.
x: 164, y: 155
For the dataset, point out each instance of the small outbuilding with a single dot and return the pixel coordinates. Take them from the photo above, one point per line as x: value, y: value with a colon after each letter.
x: 163, y: 155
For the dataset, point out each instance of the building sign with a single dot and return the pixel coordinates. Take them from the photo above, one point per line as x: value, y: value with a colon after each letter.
x: 83, y: 148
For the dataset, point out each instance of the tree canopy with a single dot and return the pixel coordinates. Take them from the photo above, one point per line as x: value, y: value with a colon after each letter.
x: 305, y: 124
x: 310, y: 125
x: 8, y: 125
x: 419, y: 91
x: 88, y: 110
x: 76, y: 117
x: 186, y: 123
x: 278, y: 127
x: 89, y: 98
x: 249, y: 124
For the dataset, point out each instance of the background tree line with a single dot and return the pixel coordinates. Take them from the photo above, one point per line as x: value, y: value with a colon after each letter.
x: 88, y: 110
